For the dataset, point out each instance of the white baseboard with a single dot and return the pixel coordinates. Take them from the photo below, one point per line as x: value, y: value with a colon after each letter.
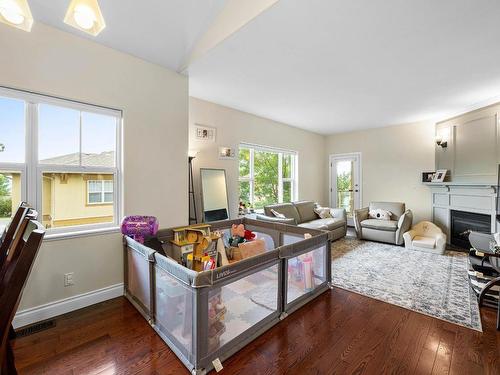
x: 63, y: 306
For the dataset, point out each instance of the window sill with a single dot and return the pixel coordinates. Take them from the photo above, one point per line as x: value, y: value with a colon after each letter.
x: 80, y: 233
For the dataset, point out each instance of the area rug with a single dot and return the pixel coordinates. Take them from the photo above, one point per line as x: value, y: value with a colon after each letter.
x: 431, y: 284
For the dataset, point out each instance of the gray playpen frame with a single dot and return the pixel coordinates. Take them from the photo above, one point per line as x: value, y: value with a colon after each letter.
x: 199, y: 359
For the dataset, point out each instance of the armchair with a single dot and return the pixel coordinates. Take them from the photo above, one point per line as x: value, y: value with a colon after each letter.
x: 427, y: 237
x: 390, y: 231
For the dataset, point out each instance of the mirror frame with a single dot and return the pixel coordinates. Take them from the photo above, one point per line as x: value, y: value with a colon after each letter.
x: 201, y: 192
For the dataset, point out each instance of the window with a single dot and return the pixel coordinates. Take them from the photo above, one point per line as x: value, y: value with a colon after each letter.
x: 63, y: 158
x: 267, y: 175
x: 99, y: 192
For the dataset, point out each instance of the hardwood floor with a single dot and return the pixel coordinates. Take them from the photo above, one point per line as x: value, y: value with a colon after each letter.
x: 338, y: 333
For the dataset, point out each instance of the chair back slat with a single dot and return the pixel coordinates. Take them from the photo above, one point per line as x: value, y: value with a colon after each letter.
x: 14, y: 280
x: 11, y: 230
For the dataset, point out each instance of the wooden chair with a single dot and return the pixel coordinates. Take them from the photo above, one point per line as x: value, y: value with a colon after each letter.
x: 11, y: 230
x: 13, y: 249
x: 12, y: 285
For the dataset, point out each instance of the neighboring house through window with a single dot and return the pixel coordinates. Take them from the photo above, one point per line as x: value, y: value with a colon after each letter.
x: 267, y: 175
x: 63, y: 158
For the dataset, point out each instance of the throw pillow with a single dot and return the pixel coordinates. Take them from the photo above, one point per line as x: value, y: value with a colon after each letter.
x: 322, y: 212
x: 380, y: 214
x: 277, y: 214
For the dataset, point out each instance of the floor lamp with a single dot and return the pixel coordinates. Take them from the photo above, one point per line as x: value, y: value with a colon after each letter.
x: 193, y: 219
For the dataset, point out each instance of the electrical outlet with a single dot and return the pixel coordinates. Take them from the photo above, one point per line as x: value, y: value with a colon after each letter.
x: 68, y: 279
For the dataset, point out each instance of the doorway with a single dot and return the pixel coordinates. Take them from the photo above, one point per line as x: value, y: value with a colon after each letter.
x: 345, y: 183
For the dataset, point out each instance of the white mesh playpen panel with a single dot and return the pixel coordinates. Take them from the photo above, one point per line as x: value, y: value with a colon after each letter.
x: 138, y: 277
x: 174, y: 310
x: 306, y: 272
x: 237, y: 307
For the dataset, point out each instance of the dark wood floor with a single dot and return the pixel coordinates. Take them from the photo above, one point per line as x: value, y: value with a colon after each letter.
x: 338, y: 333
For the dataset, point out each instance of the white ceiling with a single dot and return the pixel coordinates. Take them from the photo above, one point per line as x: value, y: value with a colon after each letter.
x: 160, y: 31
x: 335, y: 65
x: 323, y: 65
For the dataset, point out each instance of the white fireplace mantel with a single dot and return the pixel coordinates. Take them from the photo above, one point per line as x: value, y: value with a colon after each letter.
x: 462, y: 196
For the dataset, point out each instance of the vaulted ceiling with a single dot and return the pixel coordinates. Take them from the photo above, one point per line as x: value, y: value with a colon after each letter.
x: 323, y: 65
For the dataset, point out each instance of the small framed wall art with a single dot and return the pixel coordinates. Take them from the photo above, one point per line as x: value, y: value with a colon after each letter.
x: 440, y: 175
x: 427, y: 176
x: 227, y: 153
x: 204, y: 133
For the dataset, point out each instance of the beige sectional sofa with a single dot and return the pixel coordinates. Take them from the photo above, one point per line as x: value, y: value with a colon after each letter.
x: 302, y: 214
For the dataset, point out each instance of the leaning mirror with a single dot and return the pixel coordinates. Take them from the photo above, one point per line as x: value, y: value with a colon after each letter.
x: 215, y: 204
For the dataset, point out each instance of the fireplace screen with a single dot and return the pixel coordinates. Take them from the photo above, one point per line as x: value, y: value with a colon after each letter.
x: 462, y: 223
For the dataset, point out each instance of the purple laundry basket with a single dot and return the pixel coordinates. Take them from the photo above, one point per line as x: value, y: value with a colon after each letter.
x: 139, y: 227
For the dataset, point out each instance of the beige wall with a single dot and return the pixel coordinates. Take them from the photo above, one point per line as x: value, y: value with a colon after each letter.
x: 154, y: 101
x: 234, y: 127
x: 392, y: 161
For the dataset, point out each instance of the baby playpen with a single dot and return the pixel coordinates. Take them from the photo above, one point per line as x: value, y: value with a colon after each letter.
x: 212, y: 314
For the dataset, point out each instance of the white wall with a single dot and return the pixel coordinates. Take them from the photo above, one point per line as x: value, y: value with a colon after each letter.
x: 392, y: 161
x: 234, y: 127
x: 154, y: 101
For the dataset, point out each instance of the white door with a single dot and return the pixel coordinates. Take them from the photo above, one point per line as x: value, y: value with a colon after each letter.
x: 345, y: 183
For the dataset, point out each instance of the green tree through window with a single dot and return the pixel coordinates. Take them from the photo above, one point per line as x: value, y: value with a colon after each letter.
x: 266, y: 176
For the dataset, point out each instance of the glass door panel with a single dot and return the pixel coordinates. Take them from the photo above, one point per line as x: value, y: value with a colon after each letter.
x: 345, y: 183
x: 345, y: 186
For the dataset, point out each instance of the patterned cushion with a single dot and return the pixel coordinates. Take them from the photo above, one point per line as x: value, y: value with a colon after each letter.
x: 287, y: 209
x: 380, y: 214
x: 322, y: 212
x: 277, y: 214
x: 396, y: 208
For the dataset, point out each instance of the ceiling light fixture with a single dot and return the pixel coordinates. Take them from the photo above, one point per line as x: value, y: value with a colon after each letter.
x: 85, y: 15
x: 16, y: 13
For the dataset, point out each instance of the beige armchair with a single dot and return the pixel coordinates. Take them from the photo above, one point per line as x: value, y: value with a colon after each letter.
x: 390, y: 231
x: 425, y: 236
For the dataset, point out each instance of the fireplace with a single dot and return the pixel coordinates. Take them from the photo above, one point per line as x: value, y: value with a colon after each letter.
x: 462, y: 223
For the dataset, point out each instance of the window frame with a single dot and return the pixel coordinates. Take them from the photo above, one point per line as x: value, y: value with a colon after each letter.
x: 32, y: 171
x: 281, y: 152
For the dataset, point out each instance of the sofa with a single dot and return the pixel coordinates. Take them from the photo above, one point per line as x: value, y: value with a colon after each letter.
x: 302, y: 214
x: 426, y: 237
x: 389, y: 231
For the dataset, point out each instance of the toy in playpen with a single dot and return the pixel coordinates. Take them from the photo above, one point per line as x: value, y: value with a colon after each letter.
x: 300, y: 270
x: 193, y: 247
x: 139, y: 227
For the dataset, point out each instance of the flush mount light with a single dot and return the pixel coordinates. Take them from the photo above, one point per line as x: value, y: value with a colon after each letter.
x: 16, y: 13
x: 85, y: 15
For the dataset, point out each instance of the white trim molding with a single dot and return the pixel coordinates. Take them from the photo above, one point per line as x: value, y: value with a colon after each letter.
x: 66, y: 305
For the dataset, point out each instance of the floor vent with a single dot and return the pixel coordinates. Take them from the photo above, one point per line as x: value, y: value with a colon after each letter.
x: 34, y: 328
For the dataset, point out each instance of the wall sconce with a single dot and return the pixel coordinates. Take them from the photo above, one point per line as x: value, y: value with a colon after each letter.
x: 16, y: 13
x: 192, y: 154
x: 440, y: 142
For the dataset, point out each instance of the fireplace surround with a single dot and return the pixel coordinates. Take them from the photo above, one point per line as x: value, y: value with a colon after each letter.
x: 450, y: 198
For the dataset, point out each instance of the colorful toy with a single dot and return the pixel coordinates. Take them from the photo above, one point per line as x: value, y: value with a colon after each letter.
x: 240, y: 235
x: 238, y: 230
x: 249, y: 235
x: 192, y: 244
x: 138, y: 227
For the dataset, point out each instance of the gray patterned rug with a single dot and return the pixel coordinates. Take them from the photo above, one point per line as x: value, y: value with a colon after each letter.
x: 435, y: 285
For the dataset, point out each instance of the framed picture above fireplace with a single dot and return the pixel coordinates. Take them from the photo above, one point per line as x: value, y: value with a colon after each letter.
x: 440, y: 175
